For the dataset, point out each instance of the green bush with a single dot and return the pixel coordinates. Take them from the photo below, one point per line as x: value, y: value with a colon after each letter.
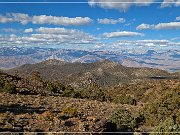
x: 123, y: 120
x: 169, y: 125
x: 139, y: 120
x: 1, y: 84
x: 68, y: 92
x: 9, y: 88
x: 76, y: 94
x: 55, y: 87
x: 124, y: 99
x: 68, y: 113
x: 94, y: 92
x: 162, y: 108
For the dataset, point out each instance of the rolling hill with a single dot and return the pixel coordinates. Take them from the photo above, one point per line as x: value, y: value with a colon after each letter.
x: 103, y: 73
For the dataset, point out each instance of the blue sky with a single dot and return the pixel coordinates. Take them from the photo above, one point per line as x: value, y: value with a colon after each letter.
x: 88, y: 25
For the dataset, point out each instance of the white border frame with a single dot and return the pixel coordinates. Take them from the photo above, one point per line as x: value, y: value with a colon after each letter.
x: 81, y: 2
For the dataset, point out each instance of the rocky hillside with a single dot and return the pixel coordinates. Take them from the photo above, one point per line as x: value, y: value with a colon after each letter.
x: 37, y: 105
x: 47, y: 114
x: 103, y: 73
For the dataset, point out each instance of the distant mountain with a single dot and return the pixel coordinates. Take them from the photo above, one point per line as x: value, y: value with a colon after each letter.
x: 88, y: 59
x: 11, y: 57
x: 104, y: 73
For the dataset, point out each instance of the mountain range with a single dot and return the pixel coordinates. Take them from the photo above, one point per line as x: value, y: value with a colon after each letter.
x: 11, y: 57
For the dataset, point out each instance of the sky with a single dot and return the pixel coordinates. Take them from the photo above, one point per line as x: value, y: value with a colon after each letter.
x: 91, y: 24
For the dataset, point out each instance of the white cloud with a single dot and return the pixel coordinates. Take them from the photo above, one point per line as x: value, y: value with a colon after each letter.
x: 72, y: 34
x: 176, y: 38
x: 61, y: 31
x: 144, y: 26
x: 121, y: 5
x: 110, y: 21
x: 30, y: 30
x: 19, y: 17
x: 122, y: 34
x: 144, y: 43
x: 124, y: 5
x: 15, y: 17
x: 153, y: 41
x: 4, y: 19
x: 11, y: 30
x: 178, y: 18
x: 171, y: 25
x: 160, y: 26
x: 49, y: 36
x: 44, y: 19
x: 170, y: 3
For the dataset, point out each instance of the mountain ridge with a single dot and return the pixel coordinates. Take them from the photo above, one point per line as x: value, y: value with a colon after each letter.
x: 104, y: 72
x: 17, y: 56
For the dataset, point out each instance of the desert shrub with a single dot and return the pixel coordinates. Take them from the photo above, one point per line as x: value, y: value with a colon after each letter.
x: 178, y: 117
x: 162, y: 108
x: 69, y: 113
x: 1, y: 84
x: 123, y: 120
x: 49, y: 86
x: 76, y: 94
x: 124, y: 99
x: 9, y: 88
x: 94, y: 92
x: 68, y: 92
x: 47, y: 115
x: 138, y: 120
x: 36, y: 79
x: 169, y: 125
x: 55, y: 87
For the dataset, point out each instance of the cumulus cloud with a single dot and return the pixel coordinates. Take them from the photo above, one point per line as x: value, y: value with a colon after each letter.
x: 44, y: 19
x: 171, y: 25
x: 19, y: 17
x: 170, y: 3
x: 145, y: 43
x: 178, y: 18
x: 15, y: 17
x: 121, y: 5
x: 144, y: 26
x: 5, y: 19
x: 49, y: 36
x: 110, y: 21
x: 160, y: 26
x: 122, y: 34
x: 28, y: 30
x: 62, y: 31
